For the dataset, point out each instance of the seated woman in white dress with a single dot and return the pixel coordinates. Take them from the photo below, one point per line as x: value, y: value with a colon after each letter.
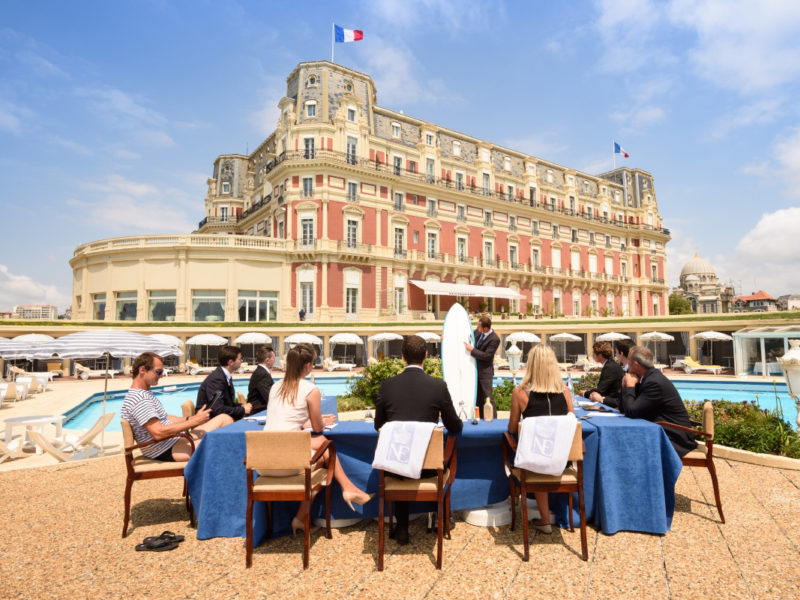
x: 295, y: 403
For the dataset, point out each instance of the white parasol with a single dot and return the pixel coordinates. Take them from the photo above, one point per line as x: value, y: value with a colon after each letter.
x: 345, y: 339
x: 612, y: 336
x: 712, y: 336
x: 564, y: 338
x: 656, y: 336
x: 253, y: 337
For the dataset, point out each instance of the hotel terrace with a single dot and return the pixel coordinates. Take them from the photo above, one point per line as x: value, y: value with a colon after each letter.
x: 351, y: 211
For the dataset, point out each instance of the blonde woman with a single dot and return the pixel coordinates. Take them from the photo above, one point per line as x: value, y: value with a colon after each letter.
x: 295, y: 403
x: 540, y: 393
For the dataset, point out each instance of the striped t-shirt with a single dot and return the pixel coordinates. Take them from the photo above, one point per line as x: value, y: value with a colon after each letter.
x: 138, y: 408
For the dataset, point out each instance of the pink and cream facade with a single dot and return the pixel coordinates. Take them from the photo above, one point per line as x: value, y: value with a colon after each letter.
x: 351, y: 211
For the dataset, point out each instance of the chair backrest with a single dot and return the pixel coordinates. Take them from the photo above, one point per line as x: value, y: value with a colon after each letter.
x: 279, y: 450
x: 434, y: 457
x: 187, y: 409
x: 11, y: 391
x: 576, y: 450
x: 708, y: 419
x: 95, y: 429
x: 127, y: 436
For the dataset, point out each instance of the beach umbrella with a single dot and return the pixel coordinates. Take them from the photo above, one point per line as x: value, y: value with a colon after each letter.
x: 33, y: 338
x: 253, y: 337
x: 103, y: 343
x: 12, y: 349
x: 169, y: 340
x: 564, y: 338
x: 612, y: 336
x: 656, y: 336
x: 302, y: 338
x: 712, y: 336
x: 523, y: 336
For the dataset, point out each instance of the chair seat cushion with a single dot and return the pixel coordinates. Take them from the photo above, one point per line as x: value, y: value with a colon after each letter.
x: 142, y: 464
x: 426, y: 484
x: 292, y: 483
x: 697, y: 454
x: 570, y: 475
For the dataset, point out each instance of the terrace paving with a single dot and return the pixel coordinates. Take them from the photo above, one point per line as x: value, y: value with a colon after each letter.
x: 61, y: 526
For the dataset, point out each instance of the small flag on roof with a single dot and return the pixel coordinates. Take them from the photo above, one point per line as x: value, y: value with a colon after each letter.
x: 620, y: 150
x: 347, y: 35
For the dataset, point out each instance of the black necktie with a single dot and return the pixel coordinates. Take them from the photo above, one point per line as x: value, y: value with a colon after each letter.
x: 480, y: 340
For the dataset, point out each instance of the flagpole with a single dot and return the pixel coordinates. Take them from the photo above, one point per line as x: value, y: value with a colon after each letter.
x: 613, y: 155
x: 333, y: 36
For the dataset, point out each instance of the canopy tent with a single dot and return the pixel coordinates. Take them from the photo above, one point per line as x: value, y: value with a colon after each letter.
x: 206, y: 340
x: 712, y: 336
x: 103, y: 343
x: 12, y: 349
x: 656, y: 336
x: 302, y: 338
x: 440, y: 288
x: 564, y: 338
x: 345, y: 339
x: 429, y: 336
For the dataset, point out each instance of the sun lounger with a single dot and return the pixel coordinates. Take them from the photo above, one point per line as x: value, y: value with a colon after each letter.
x: 587, y: 364
x: 501, y: 363
x: 32, y: 382
x: 690, y: 366
x: 12, y: 450
x: 72, y: 446
x: 247, y: 368
x: 335, y: 365
x: 15, y: 391
x: 85, y: 372
x: 192, y: 368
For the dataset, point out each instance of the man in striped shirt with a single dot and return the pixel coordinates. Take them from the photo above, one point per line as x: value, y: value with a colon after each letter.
x: 149, y: 419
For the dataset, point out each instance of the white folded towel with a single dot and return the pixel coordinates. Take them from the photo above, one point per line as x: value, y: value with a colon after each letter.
x: 544, y: 444
x: 402, y: 446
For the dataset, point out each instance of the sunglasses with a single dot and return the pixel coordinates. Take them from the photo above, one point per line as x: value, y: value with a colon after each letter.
x: 159, y: 372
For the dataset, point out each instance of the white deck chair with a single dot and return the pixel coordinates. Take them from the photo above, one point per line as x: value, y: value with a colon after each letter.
x: 192, y: 368
x: 12, y: 450
x: 16, y: 391
x: 85, y: 372
x: 33, y: 384
x: 72, y: 446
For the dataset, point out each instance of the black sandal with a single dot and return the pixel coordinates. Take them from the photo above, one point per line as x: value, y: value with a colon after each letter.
x: 166, y: 536
x: 157, y: 546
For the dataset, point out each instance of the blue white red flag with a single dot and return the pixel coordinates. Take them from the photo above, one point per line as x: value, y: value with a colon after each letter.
x: 347, y: 35
x: 620, y: 150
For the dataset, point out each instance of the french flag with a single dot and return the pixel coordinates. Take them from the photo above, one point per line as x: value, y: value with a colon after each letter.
x: 618, y: 150
x: 347, y: 35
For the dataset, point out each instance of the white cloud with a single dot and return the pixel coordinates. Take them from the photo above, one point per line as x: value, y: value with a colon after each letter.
x: 743, y: 45
x: 451, y: 15
x: 760, y: 112
x: 22, y: 289
x: 787, y: 154
x: 120, y: 205
x: 640, y: 117
x: 121, y: 108
x: 265, y: 118
x: 626, y: 28
x: 71, y: 145
x: 766, y: 256
x: 548, y: 144
x: 14, y: 117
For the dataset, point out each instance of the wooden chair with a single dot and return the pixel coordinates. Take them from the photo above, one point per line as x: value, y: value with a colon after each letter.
x: 522, y: 482
x: 141, y: 467
x: 187, y: 409
x: 427, y: 489
x: 700, y: 457
x: 286, y: 451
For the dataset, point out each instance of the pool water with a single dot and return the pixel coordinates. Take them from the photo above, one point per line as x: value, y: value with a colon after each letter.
x: 86, y: 414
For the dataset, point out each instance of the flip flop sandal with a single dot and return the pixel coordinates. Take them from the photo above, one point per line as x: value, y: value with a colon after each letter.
x: 158, y: 545
x: 167, y: 535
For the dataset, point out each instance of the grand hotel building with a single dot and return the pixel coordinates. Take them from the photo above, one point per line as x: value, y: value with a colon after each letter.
x: 352, y: 211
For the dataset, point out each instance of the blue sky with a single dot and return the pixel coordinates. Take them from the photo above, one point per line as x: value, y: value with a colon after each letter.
x: 111, y: 113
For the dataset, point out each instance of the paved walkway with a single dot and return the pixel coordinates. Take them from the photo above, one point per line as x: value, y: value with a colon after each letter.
x: 61, y: 539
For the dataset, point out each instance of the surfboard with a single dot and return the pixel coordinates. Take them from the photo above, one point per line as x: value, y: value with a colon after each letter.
x: 459, y: 368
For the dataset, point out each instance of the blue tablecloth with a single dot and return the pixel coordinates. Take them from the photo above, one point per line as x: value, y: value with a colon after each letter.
x: 630, y: 470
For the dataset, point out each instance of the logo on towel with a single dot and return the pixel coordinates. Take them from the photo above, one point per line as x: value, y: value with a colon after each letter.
x: 544, y: 438
x: 400, y: 443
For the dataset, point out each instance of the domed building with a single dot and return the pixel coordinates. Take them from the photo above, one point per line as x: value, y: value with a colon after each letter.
x: 700, y: 285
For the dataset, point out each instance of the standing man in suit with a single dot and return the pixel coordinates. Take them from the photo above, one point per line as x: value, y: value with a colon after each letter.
x: 217, y: 390
x: 261, y: 380
x: 413, y: 395
x: 648, y: 394
x: 607, y: 390
x: 486, y: 343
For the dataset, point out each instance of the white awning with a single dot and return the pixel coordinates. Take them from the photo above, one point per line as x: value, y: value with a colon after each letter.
x: 440, y: 288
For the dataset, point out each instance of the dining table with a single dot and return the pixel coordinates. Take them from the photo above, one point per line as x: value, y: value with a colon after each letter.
x: 630, y: 469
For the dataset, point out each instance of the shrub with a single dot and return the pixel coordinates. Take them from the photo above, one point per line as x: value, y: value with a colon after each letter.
x: 746, y: 426
x: 433, y: 367
x: 502, y: 394
x: 364, y: 389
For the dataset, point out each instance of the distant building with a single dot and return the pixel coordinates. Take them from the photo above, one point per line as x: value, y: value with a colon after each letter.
x: 35, y: 311
x: 760, y: 301
x: 789, y: 302
x: 700, y: 286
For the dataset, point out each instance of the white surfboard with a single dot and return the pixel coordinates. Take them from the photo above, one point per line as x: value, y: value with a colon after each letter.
x: 459, y: 368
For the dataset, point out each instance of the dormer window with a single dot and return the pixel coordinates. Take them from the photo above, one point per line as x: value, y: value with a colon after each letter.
x: 396, y: 130
x: 549, y: 176
x: 312, y: 80
x: 429, y: 139
x: 485, y: 154
x: 311, y: 109
x: 351, y: 115
x: 226, y: 187
x: 507, y: 163
x: 456, y: 148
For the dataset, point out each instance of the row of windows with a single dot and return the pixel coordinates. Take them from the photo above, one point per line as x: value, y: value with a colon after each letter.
x: 207, y: 305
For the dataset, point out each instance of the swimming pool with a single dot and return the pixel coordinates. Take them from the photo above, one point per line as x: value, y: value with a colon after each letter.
x: 87, y: 412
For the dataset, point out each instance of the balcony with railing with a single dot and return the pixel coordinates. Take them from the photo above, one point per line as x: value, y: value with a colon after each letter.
x: 218, y: 221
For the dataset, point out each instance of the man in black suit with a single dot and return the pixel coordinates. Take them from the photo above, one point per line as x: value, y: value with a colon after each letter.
x: 217, y: 391
x: 608, y: 386
x: 413, y: 395
x: 648, y: 394
x: 261, y: 380
x: 486, y: 343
